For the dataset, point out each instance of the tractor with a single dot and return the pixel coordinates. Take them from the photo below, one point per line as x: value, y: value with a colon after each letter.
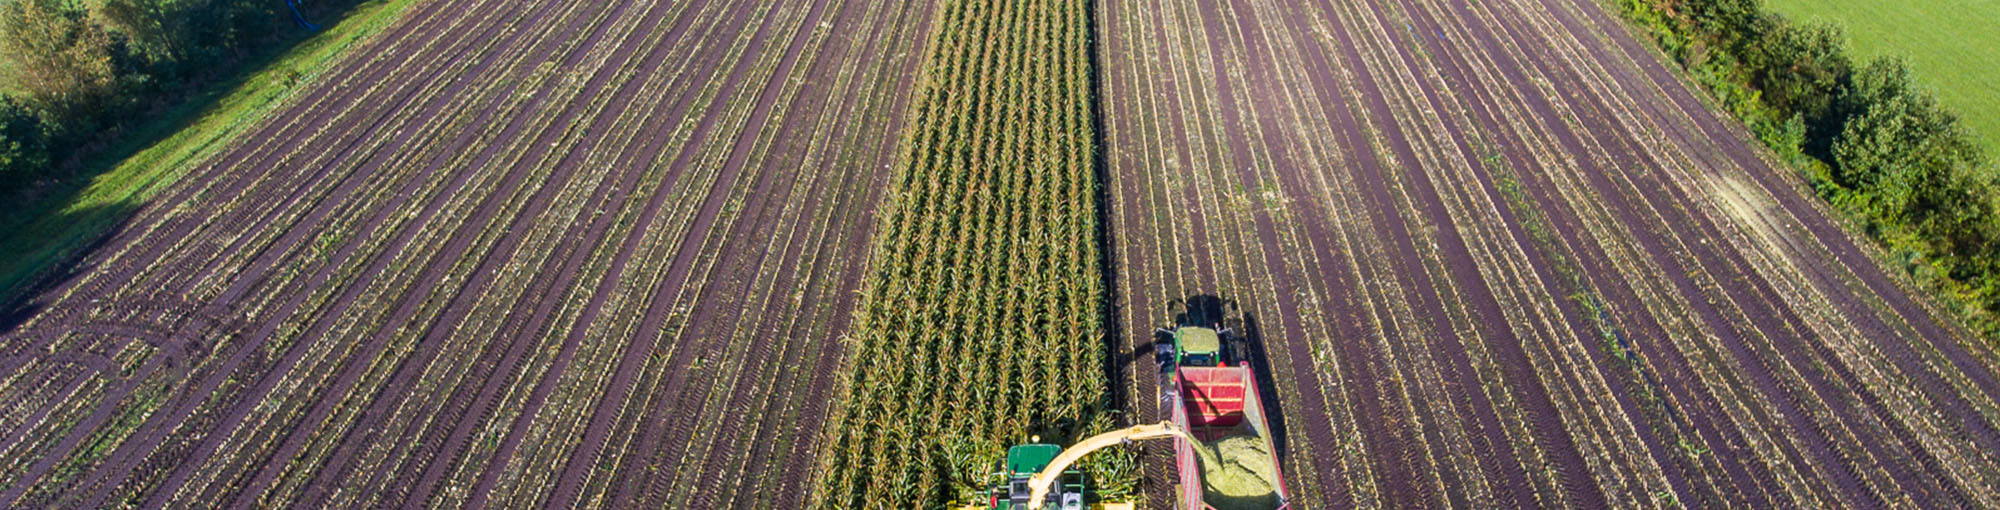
x: 1198, y: 338
x: 1209, y: 391
x: 1038, y: 475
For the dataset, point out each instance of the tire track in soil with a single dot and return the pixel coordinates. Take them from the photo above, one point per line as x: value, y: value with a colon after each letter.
x: 1491, y: 441
x: 275, y: 255
x: 62, y: 311
x: 712, y: 471
x: 461, y: 243
x: 1657, y: 451
x: 1819, y: 354
x: 294, y: 353
x: 1819, y: 385
x: 89, y: 425
x: 48, y: 365
x: 570, y: 269
x: 145, y: 220
x: 151, y: 434
x: 1573, y: 472
x: 1677, y: 413
x: 1836, y: 242
x: 1198, y: 222
x: 681, y: 272
x: 1874, y: 407
x: 1847, y: 254
x: 592, y: 310
x: 1396, y: 477
x: 96, y: 366
x: 268, y: 254
x: 1703, y: 414
x: 1204, y: 270
x: 701, y: 323
x: 1157, y: 484
x: 1808, y: 214
x: 238, y: 219
x: 382, y: 405
x: 79, y: 432
x: 825, y: 380
x: 1537, y: 262
x: 59, y: 313
x: 1647, y: 236
x: 1768, y: 383
x: 857, y: 235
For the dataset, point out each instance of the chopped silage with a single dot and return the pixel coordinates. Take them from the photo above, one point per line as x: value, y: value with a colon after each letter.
x: 1237, y: 473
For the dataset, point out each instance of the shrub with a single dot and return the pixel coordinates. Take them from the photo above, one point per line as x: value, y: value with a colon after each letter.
x: 60, y: 62
x: 1874, y: 143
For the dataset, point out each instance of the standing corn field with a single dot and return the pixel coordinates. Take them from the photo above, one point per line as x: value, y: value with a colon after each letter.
x: 980, y: 323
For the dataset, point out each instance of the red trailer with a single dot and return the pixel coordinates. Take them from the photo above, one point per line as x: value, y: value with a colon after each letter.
x: 1211, y: 403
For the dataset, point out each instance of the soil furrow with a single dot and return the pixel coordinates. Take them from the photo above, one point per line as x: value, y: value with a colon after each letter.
x: 433, y: 337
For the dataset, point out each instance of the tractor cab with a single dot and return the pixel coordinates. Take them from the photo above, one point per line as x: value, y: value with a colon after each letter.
x: 1198, y: 337
x: 1192, y: 346
x: 1022, y: 463
x: 1196, y: 346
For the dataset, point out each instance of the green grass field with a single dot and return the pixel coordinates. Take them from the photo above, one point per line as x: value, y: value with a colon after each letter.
x: 1951, y: 45
x: 52, y: 228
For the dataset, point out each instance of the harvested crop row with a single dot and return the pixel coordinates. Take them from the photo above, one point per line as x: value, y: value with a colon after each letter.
x: 517, y: 254
x: 1498, y: 253
x: 980, y: 323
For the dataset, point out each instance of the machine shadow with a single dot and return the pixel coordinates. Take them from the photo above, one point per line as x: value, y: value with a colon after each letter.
x: 1267, y: 386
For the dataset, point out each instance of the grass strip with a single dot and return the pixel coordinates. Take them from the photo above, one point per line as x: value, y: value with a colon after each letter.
x: 61, y: 224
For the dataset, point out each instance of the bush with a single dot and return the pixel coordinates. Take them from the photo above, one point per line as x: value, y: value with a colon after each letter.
x: 23, y: 143
x: 75, y: 71
x: 1801, y: 70
x: 1874, y: 143
x: 1914, y: 166
x: 59, y: 61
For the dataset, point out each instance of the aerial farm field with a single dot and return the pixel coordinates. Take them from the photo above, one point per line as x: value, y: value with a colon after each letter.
x: 843, y: 253
x: 1499, y: 256
x: 511, y: 253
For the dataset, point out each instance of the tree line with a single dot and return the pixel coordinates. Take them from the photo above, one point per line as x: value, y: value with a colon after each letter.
x: 73, y: 72
x: 1872, y: 140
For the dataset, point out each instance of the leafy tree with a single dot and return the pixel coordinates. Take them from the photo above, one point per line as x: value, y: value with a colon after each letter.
x: 1912, y: 164
x: 23, y: 143
x: 1801, y: 69
x: 1885, y: 150
x: 158, y: 29
x: 1732, y: 24
x: 60, y: 61
x: 1892, y: 127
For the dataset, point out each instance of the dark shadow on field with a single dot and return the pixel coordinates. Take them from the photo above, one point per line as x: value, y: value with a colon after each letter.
x: 12, y: 318
x: 1203, y: 310
x: 38, y: 237
x: 1116, y: 360
x: 1267, y: 386
x: 39, y: 259
x: 1221, y: 501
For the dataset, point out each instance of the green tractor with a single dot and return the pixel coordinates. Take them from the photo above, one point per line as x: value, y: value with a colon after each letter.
x: 1197, y: 346
x: 1011, y: 489
x: 1198, y: 338
x: 1037, y: 475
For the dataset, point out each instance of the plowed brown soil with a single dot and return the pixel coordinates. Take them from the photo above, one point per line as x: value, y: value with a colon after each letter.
x: 1499, y: 256
x: 510, y: 254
